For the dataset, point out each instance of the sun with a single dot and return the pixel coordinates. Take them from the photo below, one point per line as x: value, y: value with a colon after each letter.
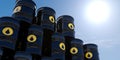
x: 97, y: 12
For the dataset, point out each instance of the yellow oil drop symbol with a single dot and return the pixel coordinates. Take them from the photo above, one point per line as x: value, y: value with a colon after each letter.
x: 17, y: 9
x: 52, y: 19
x: 31, y: 38
x: 88, y: 55
x: 8, y: 31
x: 71, y: 26
x: 74, y: 50
x: 62, y: 46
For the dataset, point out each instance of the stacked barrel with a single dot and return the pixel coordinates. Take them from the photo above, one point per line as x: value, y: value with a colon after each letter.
x: 30, y: 36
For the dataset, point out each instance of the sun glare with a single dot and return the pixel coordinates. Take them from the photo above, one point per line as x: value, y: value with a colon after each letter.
x: 97, y: 12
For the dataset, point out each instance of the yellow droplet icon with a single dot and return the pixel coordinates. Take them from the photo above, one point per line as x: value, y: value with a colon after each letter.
x: 52, y: 19
x: 71, y: 26
x: 8, y: 31
x: 74, y: 50
x: 17, y: 9
x: 62, y: 46
x: 31, y: 38
x: 88, y: 55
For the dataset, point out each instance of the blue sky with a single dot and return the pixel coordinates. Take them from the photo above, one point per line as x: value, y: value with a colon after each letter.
x: 105, y: 35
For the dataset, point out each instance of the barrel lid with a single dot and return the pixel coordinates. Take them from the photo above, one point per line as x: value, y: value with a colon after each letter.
x: 76, y: 40
x: 46, y: 10
x: 27, y: 3
x: 90, y: 45
x: 65, y: 18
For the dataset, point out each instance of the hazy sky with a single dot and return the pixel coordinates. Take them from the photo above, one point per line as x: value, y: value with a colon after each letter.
x: 105, y: 34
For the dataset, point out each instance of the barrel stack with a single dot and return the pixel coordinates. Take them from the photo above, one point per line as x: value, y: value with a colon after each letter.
x: 36, y: 34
